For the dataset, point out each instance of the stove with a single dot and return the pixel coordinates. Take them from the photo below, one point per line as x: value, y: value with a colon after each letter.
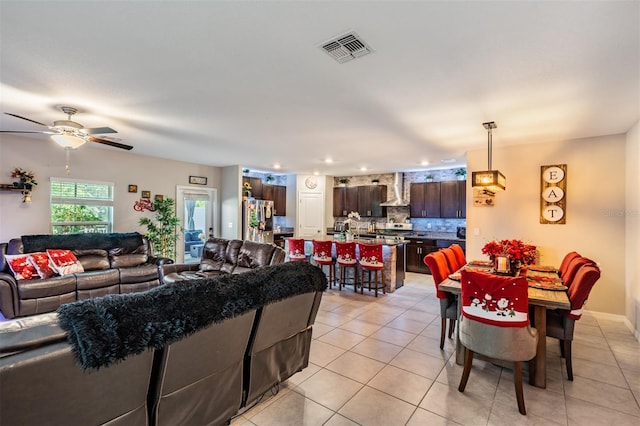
x: 394, y: 231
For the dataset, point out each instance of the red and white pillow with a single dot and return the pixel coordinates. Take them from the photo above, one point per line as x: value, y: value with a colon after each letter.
x: 43, y: 265
x: 64, y: 262
x: 21, y: 267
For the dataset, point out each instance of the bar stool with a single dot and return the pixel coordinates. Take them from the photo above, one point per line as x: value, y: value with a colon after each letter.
x: 295, y: 252
x: 371, y: 260
x: 322, y: 256
x: 346, y: 258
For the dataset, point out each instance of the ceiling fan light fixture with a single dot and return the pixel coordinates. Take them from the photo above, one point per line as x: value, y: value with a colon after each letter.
x: 68, y: 141
x: 491, y: 180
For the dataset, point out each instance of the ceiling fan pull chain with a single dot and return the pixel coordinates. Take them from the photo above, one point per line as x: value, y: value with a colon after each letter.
x: 68, y: 170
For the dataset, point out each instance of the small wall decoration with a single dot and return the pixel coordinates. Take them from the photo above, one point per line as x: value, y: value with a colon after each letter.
x: 133, y: 188
x: 146, y: 194
x: 553, y: 194
x: 159, y: 197
x: 143, y: 204
x: 483, y: 198
x: 198, y: 180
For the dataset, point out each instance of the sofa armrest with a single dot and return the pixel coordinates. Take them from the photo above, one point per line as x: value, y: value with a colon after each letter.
x: 8, y: 295
x: 160, y: 261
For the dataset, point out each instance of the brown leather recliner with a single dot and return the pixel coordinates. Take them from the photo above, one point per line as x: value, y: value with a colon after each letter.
x: 222, y: 256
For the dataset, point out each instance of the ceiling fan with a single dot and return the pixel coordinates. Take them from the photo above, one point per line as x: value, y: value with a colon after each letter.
x: 70, y: 134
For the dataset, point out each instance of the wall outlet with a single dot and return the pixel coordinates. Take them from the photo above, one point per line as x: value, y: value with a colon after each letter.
x: 476, y: 231
x: 230, y: 225
x: 428, y: 225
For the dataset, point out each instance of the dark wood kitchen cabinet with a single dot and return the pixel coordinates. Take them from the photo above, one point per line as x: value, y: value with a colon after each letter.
x: 417, y: 249
x: 369, y: 199
x: 425, y: 199
x: 345, y: 200
x: 256, y: 186
x: 453, y: 199
x: 277, y: 194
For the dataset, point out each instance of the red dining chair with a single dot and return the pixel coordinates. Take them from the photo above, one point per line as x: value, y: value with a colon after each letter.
x: 452, y: 260
x: 561, y: 323
x: 437, y: 263
x: 572, y: 269
x: 562, y: 270
x: 371, y: 261
x: 295, y: 252
x: 346, y: 258
x: 495, y: 323
x: 459, y: 252
x: 322, y: 256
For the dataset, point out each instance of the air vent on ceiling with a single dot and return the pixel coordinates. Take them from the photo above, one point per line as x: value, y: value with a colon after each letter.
x: 346, y: 47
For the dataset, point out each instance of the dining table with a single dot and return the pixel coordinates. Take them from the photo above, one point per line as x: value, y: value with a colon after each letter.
x: 545, y: 292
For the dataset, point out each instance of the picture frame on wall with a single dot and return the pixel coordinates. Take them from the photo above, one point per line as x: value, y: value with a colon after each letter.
x: 159, y: 197
x: 146, y: 194
x: 133, y: 188
x: 198, y: 180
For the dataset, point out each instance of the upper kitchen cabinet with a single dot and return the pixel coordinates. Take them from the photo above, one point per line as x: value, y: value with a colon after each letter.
x: 256, y: 186
x: 345, y: 200
x: 369, y: 199
x: 453, y: 199
x: 277, y: 194
x: 425, y: 199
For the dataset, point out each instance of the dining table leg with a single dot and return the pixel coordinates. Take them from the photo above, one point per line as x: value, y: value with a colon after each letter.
x: 538, y: 365
x: 459, y: 347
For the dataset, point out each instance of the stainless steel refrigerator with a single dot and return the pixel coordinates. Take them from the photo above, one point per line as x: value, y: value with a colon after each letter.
x: 257, y: 218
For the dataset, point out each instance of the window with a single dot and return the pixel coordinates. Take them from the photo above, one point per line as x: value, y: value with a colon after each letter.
x: 79, y: 207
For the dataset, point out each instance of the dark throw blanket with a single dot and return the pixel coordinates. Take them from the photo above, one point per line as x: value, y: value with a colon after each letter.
x: 107, y: 329
x: 38, y: 243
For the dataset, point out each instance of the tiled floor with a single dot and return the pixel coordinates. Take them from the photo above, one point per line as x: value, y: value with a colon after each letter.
x: 378, y: 362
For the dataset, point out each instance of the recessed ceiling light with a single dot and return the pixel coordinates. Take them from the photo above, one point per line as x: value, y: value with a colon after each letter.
x: 363, y: 169
x: 276, y: 166
x: 424, y: 163
x: 316, y: 173
x: 328, y: 160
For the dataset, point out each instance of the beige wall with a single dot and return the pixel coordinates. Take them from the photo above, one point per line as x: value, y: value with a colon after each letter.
x: 122, y: 168
x: 632, y: 226
x: 595, y: 197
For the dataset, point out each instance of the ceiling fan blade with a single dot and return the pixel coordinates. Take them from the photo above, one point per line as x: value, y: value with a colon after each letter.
x: 99, y: 130
x: 25, y: 131
x: 28, y: 119
x: 110, y: 143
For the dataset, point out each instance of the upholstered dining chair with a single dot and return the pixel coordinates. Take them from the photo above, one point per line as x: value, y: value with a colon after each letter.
x: 295, y: 250
x: 457, y: 250
x: 564, y: 265
x: 371, y: 261
x: 439, y: 267
x: 495, y: 323
x: 572, y: 269
x: 346, y: 258
x: 323, y: 256
x: 560, y: 323
x: 452, y: 260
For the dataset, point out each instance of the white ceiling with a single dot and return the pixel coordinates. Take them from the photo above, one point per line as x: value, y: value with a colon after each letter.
x: 245, y: 82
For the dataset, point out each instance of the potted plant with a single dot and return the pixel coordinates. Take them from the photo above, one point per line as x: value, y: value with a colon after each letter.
x: 375, y: 181
x: 461, y: 173
x: 269, y: 179
x: 164, y: 231
x: 429, y: 178
x: 343, y: 181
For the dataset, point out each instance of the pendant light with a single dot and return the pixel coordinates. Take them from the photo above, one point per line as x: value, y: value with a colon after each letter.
x: 489, y: 180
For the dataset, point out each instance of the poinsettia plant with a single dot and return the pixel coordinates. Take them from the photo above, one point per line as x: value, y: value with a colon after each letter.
x: 515, y: 250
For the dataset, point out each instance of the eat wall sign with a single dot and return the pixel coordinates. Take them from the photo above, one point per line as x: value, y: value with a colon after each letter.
x: 553, y: 194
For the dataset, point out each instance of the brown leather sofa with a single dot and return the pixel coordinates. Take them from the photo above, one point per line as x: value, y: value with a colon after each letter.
x: 114, y: 263
x: 222, y: 256
x: 259, y: 337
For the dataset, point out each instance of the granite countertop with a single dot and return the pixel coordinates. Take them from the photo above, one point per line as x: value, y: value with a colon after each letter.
x: 283, y: 231
x: 450, y: 236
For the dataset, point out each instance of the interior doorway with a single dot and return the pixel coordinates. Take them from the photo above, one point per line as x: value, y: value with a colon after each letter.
x: 195, y: 207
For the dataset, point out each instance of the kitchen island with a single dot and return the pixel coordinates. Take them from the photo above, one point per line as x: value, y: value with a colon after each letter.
x: 392, y: 255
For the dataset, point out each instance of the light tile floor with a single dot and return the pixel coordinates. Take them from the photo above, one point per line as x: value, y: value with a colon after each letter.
x: 378, y: 362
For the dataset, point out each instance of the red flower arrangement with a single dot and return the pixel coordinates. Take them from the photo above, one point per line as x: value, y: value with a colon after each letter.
x: 515, y: 250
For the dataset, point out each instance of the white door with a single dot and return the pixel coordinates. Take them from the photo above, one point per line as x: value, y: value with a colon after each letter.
x: 310, y: 214
x: 196, y: 209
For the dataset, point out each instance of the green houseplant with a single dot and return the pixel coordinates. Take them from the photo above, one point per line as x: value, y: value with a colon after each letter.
x: 163, y: 232
x: 461, y: 173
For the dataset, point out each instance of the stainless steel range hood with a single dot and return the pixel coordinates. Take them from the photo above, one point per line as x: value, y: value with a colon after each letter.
x: 397, y: 200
